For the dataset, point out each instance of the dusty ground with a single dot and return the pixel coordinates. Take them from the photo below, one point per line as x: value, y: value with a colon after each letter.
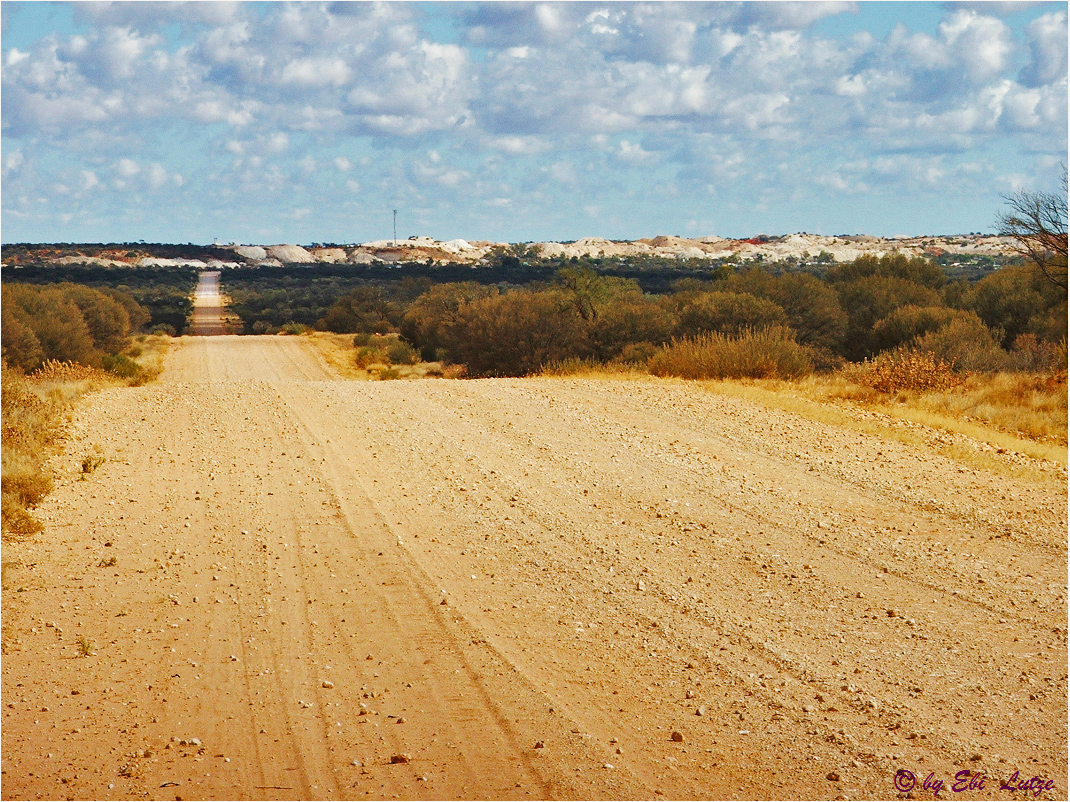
x: 279, y: 582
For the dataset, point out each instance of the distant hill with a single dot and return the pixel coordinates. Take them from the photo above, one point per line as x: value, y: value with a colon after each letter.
x: 799, y: 247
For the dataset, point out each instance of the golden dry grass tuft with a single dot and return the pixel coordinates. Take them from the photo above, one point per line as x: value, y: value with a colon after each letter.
x: 1020, y: 413
x: 36, y: 410
x: 905, y: 370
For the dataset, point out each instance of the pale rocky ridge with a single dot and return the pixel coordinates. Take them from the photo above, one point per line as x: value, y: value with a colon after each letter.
x: 766, y: 249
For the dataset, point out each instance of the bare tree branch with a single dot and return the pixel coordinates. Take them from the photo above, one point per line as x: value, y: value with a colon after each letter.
x: 1036, y: 221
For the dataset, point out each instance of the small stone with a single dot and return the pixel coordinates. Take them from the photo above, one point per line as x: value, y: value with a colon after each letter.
x: 677, y: 737
x: 640, y: 585
x: 400, y: 758
x: 700, y: 710
x: 400, y: 721
x: 328, y: 684
x: 833, y: 776
x: 690, y: 694
x: 607, y: 765
x: 540, y: 745
x: 975, y: 757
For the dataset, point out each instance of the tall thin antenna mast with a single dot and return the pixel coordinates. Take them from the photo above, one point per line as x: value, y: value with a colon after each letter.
x: 395, y: 228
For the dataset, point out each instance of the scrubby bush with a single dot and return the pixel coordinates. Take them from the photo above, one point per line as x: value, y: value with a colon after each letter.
x: 812, y: 307
x: 966, y: 343
x: 56, y: 322
x: 32, y: 427
x: 591, y: 293
x: 906, y: 369
x: 628, y: 323
x: 915, y: 269
x: 763, y: 354
x: 400, y: 352
x: 369, y: 309
x: 869, y: 300
x: 380, y: 349
x: 1033, y: 355
x: 429, y: 321
x: 63, y: 322
x: 910, y: 322
x: 516, y: 333
x: 727, y: 313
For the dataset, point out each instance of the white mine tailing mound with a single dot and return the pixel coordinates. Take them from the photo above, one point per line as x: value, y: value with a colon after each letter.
x: 799, y: 246
x: 290, y: 253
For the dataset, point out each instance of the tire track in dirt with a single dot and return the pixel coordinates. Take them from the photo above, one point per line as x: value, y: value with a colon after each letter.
x: 614, y: 556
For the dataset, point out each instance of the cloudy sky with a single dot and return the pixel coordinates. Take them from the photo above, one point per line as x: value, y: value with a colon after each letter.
x: 311, y: 122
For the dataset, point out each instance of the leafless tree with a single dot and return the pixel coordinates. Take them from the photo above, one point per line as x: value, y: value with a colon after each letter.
x: 1036, y: 221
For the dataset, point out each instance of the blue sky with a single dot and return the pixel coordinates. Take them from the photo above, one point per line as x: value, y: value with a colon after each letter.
x: 310, y: 122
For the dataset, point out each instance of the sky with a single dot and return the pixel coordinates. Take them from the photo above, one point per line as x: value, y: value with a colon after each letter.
x: 313, y: 122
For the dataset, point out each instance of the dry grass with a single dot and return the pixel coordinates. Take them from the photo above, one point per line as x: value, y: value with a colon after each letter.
x: 36, y: 410
x: 341, y: 355
x: 594, y: 369
x: 765, y: 353
x: 905, y: 370
x: 1023, y: 414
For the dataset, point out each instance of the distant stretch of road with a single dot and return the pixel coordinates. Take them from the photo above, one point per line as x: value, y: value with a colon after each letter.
x: 208, y: 306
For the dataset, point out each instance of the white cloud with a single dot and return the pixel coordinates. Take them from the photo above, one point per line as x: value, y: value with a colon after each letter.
x: 981, y: 43
x: 158, y: 176
x: 343, y: 164
x: 127, y: 168
x: 316, y: 71
x: 1048, y: 49
x: 13, y: 162
x: 633, y: 153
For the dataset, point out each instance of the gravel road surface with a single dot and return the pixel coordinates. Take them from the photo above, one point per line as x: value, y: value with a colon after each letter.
x: 281, y: 585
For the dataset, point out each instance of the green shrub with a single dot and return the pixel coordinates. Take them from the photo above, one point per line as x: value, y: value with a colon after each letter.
x: 813, y: 308
x: 624, y: 323
x: 370, y: 355
x: 910, y: 322
x: 401, y: 353
x: 753, y: 354
x: 122, y: 366
x: 966, y: 343
x: 728, y: 313
x: 516, y: 333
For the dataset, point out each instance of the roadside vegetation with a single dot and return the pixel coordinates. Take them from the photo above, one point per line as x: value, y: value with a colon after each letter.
x: 164, y: 293
x: 928, y: 340
x: 60, y: 341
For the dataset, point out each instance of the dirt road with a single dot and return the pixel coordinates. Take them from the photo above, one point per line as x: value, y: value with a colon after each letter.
x: 285, y: 586
x: 208, y: 317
